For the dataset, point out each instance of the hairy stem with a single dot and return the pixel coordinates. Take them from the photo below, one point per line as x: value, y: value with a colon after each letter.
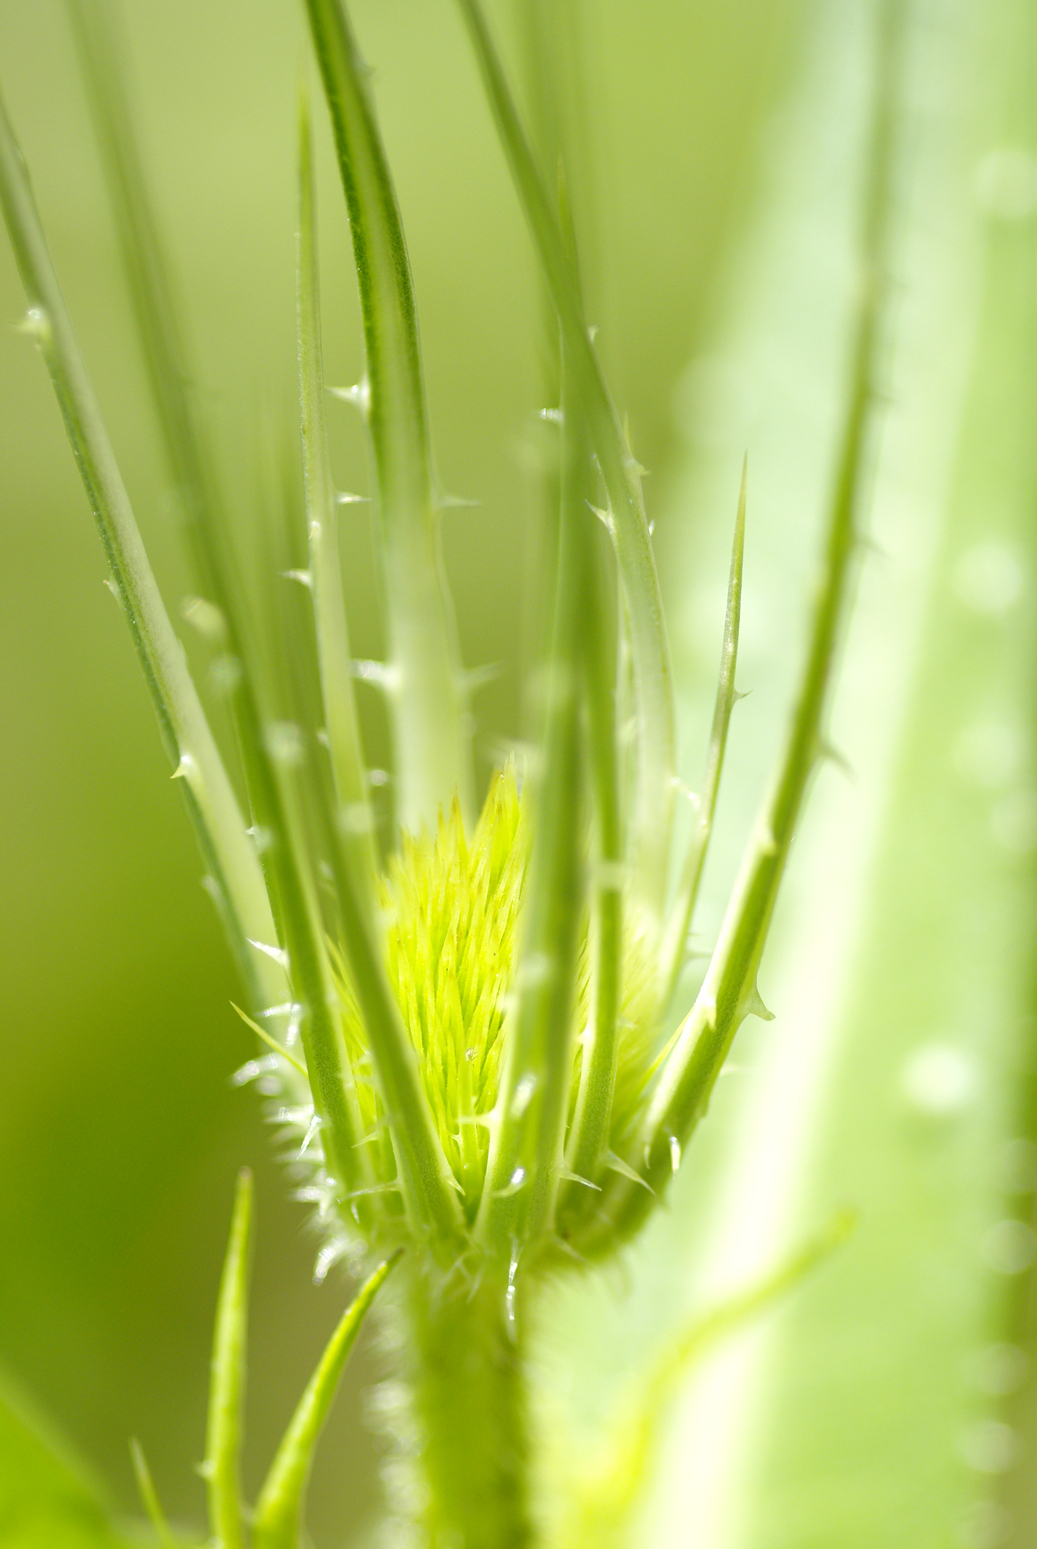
x: 469, y: 1402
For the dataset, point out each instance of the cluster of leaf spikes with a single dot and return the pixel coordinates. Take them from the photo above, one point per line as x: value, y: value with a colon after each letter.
x: 469, y: 1045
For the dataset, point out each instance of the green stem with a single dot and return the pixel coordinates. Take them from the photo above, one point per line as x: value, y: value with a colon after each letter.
x: 427, y: 690
x: 526, y: 1149
x: 470, y: 1407
x: 333, y: 653
x: 621, y: 476
x: 184, y: 729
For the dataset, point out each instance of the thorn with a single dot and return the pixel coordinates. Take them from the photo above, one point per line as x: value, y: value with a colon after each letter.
x: 475, y: 678
x: 576, y: 1178
x: 204, y: 616
x: 185, y: 768
x: 826, y: 750
x: 455, y: 502
x: 675, y: 1154
x: 593, y: 331
x: 741, y: 694
x: 605, y: 517
x: 304, y: 577
x: 616, y: 1164
x: 381, y: 674
x: 115, y: 589
x: 754, y: 1006
x: 272, y: 1042
x: 868, y: 545
x: 275, y: 953
x: 359, y: 395
x: 36, y: 324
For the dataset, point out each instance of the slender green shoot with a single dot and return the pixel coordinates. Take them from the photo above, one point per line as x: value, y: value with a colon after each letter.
x: 604, y: 1502
x: 277, y: 1521
x: 271, y: 1043
x: 227, y: 1386
x: 149, y: 282
x: 226, y: 848
x: 683, y: 907
x: 526, y: 1148
x: 588, y: 1137
x: 426, y: 687
x: 621, y: 475
x: 149, y: 1496
x: 349, y: 774
x: 729, y: 993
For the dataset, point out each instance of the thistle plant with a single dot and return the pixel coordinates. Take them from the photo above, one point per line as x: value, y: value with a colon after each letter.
x: 471, y: 1038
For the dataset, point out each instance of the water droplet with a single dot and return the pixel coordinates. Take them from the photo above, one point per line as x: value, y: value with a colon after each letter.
x: 990, y: 754
x: 989, y: 578
x: 939, y: 1079
x: 509, y: 1297
x: 990, y: 1446
x: 204, y: 616
x: 283, y: 741
x: 523, y: 1093
x: 1009, y: 1247
x: 986, y: 1525
x: 355, y: 818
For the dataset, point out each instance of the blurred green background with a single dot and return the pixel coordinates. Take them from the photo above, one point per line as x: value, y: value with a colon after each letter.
x: 717, y: 189
x: 119, y: 1130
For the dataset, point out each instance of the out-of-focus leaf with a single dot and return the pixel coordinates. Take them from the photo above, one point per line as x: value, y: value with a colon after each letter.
x: 47, y: 1498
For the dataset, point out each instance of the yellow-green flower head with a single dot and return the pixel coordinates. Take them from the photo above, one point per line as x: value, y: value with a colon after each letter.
x: 451, y: 922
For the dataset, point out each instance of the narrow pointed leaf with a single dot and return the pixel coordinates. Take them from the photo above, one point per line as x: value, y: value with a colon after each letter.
x: 185, y: 732
x: 278, y: 1514
x: 621, y: 475
x: 588, y: 1141
x: 728, y: 992
x: 349, y: 773
x: 149, y: 1495
x: 525, y: 1157
x: 227, y: 1385
x: 428, y: 708
x: 683, y: 907
x: 47, y: 1495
